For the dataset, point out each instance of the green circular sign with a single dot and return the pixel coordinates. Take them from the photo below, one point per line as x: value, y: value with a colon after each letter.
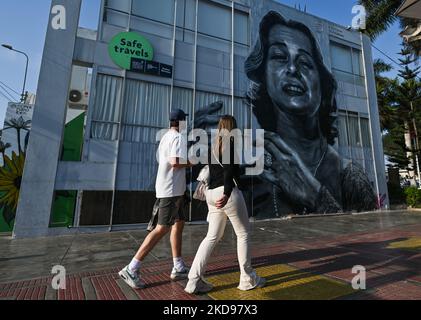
x: 128, y: 45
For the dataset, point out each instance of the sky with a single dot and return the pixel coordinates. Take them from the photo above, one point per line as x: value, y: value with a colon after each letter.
x: 23, y: 24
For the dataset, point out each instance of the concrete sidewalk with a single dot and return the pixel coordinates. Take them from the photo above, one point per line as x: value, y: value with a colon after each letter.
x: 301, y: 258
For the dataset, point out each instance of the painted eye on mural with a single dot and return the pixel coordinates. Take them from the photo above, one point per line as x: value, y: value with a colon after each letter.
x: 279, y: 55
x: 303, y: 63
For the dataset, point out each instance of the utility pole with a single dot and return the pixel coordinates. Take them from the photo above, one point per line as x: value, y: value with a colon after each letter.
x: 24, y: 94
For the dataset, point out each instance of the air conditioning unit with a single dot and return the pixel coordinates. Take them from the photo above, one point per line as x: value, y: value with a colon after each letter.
x: 79, y: 88
x: 78, y: 99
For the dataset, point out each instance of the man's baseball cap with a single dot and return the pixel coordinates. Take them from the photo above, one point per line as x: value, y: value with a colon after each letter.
x: 178, y: 115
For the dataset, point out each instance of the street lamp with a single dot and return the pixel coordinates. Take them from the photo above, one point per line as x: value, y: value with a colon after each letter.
x: 9, y: 47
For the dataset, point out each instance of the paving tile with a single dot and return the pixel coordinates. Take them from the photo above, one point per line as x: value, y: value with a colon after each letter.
x: 283, y: 283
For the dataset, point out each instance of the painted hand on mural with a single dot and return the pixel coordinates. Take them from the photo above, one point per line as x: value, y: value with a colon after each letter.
x: 286, y: 170
x: 208, y: 117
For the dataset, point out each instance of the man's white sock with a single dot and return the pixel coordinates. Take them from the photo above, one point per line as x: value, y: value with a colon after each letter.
x: 179, y: 264
x: 135, y: 265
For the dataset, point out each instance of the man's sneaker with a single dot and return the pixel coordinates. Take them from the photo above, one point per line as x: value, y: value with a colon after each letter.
x: 177, y: 275
x: 201, y: 287
x: 133, y: 280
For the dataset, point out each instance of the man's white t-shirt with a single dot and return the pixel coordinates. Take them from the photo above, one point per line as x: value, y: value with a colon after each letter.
x: 171, y: 182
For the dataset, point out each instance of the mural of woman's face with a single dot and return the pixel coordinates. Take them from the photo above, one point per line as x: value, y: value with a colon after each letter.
x: 291, y: 75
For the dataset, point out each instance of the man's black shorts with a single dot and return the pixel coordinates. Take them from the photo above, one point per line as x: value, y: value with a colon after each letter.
x: 171, y: 210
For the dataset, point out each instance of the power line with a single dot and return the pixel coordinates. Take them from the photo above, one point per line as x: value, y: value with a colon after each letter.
x: 9, y: 88
x: 387, y: 56
x: 7, y: 93
x: 1, y: 93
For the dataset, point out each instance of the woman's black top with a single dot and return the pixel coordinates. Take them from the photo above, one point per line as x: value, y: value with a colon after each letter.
x: 224, y: 175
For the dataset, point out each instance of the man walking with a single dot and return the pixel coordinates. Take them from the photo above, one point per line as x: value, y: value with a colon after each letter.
x: 170, y: 191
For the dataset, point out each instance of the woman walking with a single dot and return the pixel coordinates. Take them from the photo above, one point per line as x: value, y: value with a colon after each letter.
x: 224, y: 200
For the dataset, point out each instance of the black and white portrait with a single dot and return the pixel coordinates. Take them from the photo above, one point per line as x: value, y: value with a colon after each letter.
x: 293, y: 98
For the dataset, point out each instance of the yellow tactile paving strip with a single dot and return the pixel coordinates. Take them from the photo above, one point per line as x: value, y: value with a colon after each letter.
x: 283, y: 283
x: 412, y: 244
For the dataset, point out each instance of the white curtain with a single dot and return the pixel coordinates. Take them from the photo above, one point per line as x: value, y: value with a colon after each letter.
x: 146, y: 111
x: 106, y: 108
x: 367, y: 148
x: 354, y: 132
x: 344, y: 150
x: 183, y: 99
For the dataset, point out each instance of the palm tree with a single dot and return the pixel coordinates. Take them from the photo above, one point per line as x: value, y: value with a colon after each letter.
x: 386, y: 96
x: 400, y: 111
x: 3, y: 148
x: 390, y: 119
x: 381, y: 16
x: 18, y: 124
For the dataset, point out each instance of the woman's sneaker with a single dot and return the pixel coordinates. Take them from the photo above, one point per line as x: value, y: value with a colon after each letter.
x: 201, y: 287
x: 177, y: 275
x: 262, y: 283
x: 132, y: 279
x: 258, y: 284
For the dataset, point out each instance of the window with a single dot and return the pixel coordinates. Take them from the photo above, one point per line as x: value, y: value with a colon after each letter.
x: 357, y: 62
x: 106, y: 112
x: 341, y: 58
x: 96, y: 208
x: 63, y: 211
x: 355, y: 141
x: 349, y: 131
x: 241, y: 28
x: 354, y: 131
x: 214, y: 20
x: 159, y: 10
x: 119, y: 5
x: 343, y: 131
x: 347, y: 63
x: 365, y: 133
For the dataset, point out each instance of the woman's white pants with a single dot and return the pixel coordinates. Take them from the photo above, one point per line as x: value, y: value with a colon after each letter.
x: 236, y: 211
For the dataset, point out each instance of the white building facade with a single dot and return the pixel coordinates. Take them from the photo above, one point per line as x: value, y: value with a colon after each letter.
x: 98, y: 172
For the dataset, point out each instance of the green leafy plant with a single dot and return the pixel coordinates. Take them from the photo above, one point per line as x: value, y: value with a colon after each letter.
x: 413, y: 196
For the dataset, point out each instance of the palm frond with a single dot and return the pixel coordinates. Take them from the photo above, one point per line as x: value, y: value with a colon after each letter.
x: 380, y: 16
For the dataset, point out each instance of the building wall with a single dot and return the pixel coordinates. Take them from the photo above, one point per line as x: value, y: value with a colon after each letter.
x: 126, y: 109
